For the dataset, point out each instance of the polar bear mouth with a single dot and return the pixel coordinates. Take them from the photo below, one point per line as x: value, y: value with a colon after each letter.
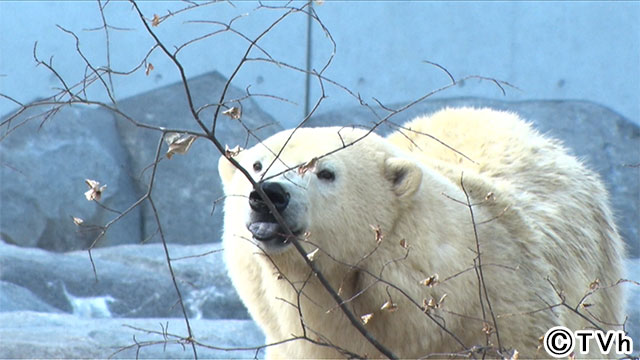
x: 269, y: 231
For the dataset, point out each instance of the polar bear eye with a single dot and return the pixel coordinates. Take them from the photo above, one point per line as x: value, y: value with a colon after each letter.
x: 326, y: 175
x: 257, y: 166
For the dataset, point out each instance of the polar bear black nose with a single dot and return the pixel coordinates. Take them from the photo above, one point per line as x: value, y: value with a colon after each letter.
x: 275, y: 192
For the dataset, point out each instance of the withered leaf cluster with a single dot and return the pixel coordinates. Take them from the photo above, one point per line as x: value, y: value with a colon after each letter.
x: 232, y: 152
x: 95, y: 190
x: 378, y: 234
x: 433, y: 303
x: 178, y: 143
x: 430, y: 281
x: 366, y: 317
x: 234, y: 113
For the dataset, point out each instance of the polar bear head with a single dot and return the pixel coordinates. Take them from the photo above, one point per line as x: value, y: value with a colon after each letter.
x: 330, y: 185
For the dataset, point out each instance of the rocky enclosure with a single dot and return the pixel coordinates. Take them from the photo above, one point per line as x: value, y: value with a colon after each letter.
x: 52, y: 304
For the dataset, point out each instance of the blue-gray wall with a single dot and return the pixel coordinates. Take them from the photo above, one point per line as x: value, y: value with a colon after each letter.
x: 550, y: 50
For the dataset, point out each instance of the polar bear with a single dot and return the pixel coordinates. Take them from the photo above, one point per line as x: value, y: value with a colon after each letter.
x: 465, y: 232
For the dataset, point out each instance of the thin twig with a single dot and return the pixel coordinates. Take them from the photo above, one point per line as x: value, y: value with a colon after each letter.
x: 481, y: 280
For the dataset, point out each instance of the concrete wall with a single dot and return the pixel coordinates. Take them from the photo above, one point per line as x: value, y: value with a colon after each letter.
x: 550, y: 50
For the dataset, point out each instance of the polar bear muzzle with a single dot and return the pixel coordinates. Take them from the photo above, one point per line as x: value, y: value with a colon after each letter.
x: 275, y: 192
x: 263, y: 225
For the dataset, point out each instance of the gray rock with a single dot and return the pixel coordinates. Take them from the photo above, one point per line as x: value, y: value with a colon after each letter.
x: 609, y: 143
x: 26, y: 334
x: 132, y: 281
x: 187, y: 186
x: 29, y: 335
x: 17, y: 298
x: 43, y: 167
x: 200, y: 271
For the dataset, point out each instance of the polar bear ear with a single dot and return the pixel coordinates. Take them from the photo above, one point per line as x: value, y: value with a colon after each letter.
x: 225, y: 169
x: 404, y: 175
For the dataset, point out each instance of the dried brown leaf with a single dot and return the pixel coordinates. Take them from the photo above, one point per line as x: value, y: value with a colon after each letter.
x: 148, y: 69
x: 595, y: 284
x: 312, y: 255
x: 309, y: 166
x: 171, y: 137
x: 378, y: 233
x: 229, y: 153
x: 178, y: 144
x: 156, y: 20
x: 389, y: 306
x: 430, y: 281
x: 234, y: 113
x: 365, y: 318
x: 403, y: 243
x: 425, y: 306
x: 432, y: 303
x: 515, y: 355
x: 95, y: 190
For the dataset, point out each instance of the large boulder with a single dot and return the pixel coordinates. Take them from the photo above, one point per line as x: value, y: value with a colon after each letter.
x: 43, y: 167
x: 17, y: 298
x: 187, y: 188
x: 130, y: 281
x: 608, y: 143
x: 53, y: 305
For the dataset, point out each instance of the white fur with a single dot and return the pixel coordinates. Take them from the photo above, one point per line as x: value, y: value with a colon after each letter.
x: 539, y: 213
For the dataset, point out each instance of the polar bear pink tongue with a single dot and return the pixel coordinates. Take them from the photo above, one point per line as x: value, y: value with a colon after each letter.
x: 264, y: 230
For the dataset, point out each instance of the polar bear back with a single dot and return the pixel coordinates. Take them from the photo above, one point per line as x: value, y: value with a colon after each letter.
x: 560, y: 198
